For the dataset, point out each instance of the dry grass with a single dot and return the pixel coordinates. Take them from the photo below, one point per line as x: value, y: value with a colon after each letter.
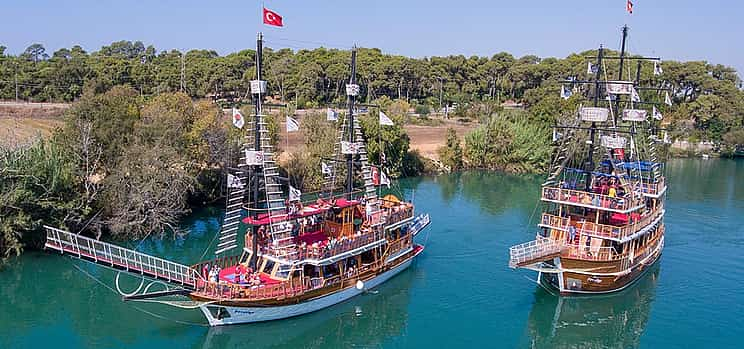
x: 15, y: 131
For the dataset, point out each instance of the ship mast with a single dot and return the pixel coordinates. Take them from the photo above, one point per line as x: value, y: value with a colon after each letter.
x: 351, y: 90
x: 593, y: 128
x: 257, y: 169
x: 620, y: 72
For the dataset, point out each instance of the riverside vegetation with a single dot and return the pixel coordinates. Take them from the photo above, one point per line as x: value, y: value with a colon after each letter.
x: 133, y: 155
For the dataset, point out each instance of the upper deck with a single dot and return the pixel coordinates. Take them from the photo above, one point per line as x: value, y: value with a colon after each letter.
x: 317, y: 244
x: 624, y: 204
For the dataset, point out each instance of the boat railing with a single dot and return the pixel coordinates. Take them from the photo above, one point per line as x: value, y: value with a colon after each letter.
x: 400, y: 244
x: 420, y: 223
x: 534, y: 250
x: 203, y: 268
x: 591, y: 200
x: 376, y: 218
x: 224, y: 290
x: 653, y: 188
x: 327, y: 249
x: 600, y: 230
x: 583, y: 252
x: 118, y: 257
x: 398, y: 213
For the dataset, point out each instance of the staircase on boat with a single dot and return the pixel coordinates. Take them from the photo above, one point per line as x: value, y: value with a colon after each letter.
x: 120, y: 258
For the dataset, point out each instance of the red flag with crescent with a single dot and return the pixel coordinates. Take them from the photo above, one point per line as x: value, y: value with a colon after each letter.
x: 272, y: 18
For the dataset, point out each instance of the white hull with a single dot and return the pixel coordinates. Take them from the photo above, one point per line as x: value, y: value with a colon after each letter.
x: 241, y: 315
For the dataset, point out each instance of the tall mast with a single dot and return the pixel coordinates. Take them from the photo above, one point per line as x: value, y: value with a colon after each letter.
x: 593, y: 129
x: 257, y: 99
x: 351, y: 91
x: 620, y: 74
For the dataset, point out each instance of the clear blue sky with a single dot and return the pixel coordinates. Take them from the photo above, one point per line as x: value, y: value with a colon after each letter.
x: 673, y: 29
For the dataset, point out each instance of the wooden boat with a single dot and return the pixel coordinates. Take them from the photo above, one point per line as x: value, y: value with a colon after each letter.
x: 603, y: 202
x: 297, y: 257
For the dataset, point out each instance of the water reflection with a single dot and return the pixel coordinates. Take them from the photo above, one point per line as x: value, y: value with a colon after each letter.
x: 613, y: 321
x: 364, y: 321
x: 496, y: 193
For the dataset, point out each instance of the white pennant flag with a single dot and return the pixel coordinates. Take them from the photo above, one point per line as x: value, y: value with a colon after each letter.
x: 325, y: 169
x: 385, y: 120
x: 657, y: 115
x: 237, y: 118
x: 565, y: 93
x: 589, y: 68
x: 634, y: 96
x: 294, y: 194
x: 667, y: 99
x: 384, y: 180
x: 292, y: 125
x: 332, y: 115
x: 234, y: 182
x: 657, y: 68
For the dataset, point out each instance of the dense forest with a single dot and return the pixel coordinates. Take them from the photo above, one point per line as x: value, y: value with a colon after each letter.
x: 708, y: 103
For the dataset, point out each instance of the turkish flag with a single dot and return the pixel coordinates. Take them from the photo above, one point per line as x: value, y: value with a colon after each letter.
x: 272, y: 18
x: 375, y: 175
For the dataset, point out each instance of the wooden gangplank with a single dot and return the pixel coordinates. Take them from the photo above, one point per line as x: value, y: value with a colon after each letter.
x: 120, y: 258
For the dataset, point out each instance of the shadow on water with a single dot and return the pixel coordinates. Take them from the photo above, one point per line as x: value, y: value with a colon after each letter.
x: 613, y: 321
x: 363, y: 321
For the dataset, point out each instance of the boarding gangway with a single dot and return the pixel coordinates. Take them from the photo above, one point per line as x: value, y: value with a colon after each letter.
x: 120, y: 258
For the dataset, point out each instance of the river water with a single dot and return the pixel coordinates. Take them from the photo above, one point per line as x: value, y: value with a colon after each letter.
x: 459, y: 293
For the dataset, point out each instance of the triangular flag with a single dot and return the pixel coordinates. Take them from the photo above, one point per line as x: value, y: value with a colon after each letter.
x: 237, y: 118
x: 383, y: 157
x: 332, y: 115
x: 634, y: 96
x: 629, y: 7
x: 234, y: 182
x: 667, y: 99
x: 657, y: 68
x: 325, y: 169
x: 385, y: 120
x: 272, y: 18
x: 292, y: 125
x: 657, y: 115
x: 565, y: 93
x: 294, y: 194
x: 590, y: 68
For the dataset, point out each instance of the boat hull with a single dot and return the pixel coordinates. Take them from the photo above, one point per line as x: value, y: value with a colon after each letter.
x: 569, y: 283
x: 230, y: 315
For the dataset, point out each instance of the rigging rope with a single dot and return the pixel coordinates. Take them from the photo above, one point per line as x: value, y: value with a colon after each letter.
x: 134, y: 306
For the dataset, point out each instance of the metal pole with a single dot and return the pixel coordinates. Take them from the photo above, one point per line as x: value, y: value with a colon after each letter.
x: 16, y: 81
x: 350, y: 157
x: 440, y: 94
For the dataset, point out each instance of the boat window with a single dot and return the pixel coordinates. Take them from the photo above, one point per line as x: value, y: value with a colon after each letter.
x: 283, y: 271
x: 268, y: 267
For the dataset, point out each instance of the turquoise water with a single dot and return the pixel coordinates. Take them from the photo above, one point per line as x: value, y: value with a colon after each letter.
x: 459, y: 293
